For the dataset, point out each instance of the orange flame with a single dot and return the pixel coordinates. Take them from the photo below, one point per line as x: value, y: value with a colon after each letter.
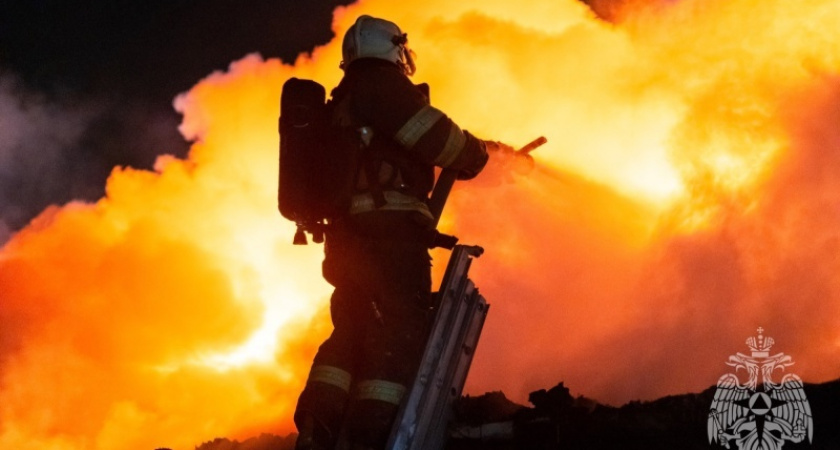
x: 686, y: 196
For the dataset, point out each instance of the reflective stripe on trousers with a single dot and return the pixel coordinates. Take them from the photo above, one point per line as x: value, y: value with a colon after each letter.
x: 330, y: 375
x: 381, y: 390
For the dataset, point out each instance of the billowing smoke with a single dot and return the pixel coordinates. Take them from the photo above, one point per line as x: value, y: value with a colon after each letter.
x: 61, y: 146
x: 35, y: 134
x: 124, y: 320
x: 687, y: 196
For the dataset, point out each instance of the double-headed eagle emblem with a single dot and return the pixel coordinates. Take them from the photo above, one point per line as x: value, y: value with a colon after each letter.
x: 759, y: 416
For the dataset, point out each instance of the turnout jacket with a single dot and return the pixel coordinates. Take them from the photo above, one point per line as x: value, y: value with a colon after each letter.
x: 406, y: 138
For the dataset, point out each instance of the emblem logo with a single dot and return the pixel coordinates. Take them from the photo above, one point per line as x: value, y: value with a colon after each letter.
x: 759, y: 414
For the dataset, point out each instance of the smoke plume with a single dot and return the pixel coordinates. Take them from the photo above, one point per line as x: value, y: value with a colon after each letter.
x: 61, y: 146
x: 35, y: 134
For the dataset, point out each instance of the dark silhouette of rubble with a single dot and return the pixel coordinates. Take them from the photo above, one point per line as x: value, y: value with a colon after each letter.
x: 262, y: 442
x: 559, y: 421
x: 487, y: 408
x: 556, y: 420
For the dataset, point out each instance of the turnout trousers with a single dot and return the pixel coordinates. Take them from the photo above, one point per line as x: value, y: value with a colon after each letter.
x: 380, y: 311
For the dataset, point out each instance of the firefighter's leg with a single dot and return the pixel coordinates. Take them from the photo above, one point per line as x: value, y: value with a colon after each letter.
x: 321, y: 406
x: 392, y: 348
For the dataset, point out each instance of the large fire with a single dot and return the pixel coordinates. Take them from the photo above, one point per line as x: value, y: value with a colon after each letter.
x: 688, y: 194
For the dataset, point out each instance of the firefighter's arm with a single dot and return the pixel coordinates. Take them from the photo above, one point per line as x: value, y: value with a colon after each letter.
x: 512, y: 160
x: 400, y: 110
x: 435, y: 139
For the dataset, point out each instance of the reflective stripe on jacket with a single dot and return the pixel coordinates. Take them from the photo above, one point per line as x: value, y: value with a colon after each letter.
x: 415, y: 135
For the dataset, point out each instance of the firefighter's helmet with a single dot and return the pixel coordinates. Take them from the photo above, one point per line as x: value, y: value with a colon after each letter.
x: 371, y: 37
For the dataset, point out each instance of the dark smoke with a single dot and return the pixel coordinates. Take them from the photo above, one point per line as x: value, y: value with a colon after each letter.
x: 54, y: 150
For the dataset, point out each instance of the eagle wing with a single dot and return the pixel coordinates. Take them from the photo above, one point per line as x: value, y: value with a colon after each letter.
x: 724, y: 412
x: 795, y: 410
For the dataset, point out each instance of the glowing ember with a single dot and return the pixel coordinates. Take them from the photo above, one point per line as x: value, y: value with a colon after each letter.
x: 687, y: 194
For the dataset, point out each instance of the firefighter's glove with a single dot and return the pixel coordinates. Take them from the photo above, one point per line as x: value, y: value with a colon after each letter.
x: 509, y: 159
x: 499, y: 148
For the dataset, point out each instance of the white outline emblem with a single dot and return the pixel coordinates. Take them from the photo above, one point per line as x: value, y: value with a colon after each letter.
x: 759, y: 416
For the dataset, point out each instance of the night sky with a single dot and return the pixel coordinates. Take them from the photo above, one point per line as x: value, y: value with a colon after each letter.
x: 87, y: 86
